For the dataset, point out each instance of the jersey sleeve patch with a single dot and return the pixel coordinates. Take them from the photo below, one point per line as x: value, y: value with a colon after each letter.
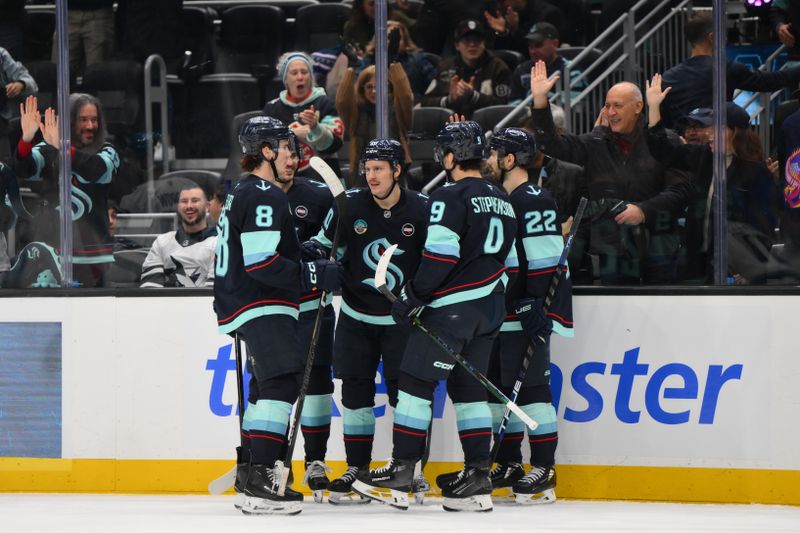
x: 259, y: 245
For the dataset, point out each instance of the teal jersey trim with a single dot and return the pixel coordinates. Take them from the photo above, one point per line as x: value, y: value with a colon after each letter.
x: 512, y: 260
x: 545, y: 415
x: 472, y: 294
x: 359, y: 421
x: 367, y: 319
x: 412, y: 411
x: 267, y: 415
x: 443, y: 241
x: 256, y: 312
x: 259, y: 245
x: 473, y: 415
x: 313, y: 305
x: 515, y: 326
x: 317, y: 410
x: 94, y: 260
x: 542, y: 251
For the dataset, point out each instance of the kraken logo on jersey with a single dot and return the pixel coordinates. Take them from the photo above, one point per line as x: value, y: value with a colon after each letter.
x: 372, y: 254
x: 81, y: 203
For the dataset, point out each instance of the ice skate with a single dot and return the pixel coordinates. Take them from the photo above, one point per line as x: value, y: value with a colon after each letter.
x: 316, y: 478
x: 388, y: 484
x: 471, y: 490
x: 340, y: 490
x: 536, y: 487
x: 419, y: 485
x: 503, y: 477
x: 261, y: 493
x: 241, y: 479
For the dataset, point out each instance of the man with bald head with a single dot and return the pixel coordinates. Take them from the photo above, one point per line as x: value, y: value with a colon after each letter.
x: 634, y: 201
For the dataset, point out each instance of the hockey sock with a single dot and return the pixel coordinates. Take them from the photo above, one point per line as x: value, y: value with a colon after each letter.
x: 474, y: 421
x: 544, y: 439
x: 412, y: 418
x: 315, y: 422
x: 359, y: 431
x: 266, y: 422
x: 511, y: 447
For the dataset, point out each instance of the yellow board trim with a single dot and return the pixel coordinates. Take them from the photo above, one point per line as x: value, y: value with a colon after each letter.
x: 676, y: 484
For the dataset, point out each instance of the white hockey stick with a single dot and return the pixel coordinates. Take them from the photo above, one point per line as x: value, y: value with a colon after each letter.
x: 380, y: 284
x: 284, y: 465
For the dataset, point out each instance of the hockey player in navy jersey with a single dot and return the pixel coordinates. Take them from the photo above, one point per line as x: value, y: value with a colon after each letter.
x: 539, y: 245
x: 381, y: 214
x: 458, y: 292
x: 310, y: 201
x: 259, y: 277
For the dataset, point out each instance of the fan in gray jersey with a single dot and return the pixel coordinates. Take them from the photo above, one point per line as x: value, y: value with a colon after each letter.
x: 185, y: 257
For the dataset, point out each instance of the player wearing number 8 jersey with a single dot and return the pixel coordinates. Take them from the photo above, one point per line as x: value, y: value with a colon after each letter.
x: 258, y: 281
x: 459, y: 288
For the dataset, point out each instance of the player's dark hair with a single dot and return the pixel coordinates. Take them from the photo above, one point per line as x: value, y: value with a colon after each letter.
x: 471, y: 165
x: 250, y: 162
x: 698, y: 26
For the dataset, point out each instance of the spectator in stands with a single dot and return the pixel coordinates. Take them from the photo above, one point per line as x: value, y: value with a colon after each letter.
x: 510, y: 20
x: 355, y: 102
x: 784, y: 15
x: 542, y: 46
x: 216, y: 202
x: 184, y: 258
x: 418, y: 68
x: 15, y: 81
x: 8, y: 181
x: 149, y: 27
x: 750, y: 186
x: 437, y: 19
x: 120, y: 241
x: 360, y: 28
x: 474, y: 78
x: 691, y: 80
x: 308, y: 111
x: 94, y: 164
x: 12, y: 16
x: 91, y: 33
x: 634, y: 200
x: 789, y: 157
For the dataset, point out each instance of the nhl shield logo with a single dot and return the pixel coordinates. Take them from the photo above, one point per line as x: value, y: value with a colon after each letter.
x: 301, y: 211
x: 408, y: 229
x: 360, y: 226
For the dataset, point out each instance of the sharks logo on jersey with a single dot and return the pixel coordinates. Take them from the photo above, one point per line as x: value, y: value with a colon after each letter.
x: 372, y: 254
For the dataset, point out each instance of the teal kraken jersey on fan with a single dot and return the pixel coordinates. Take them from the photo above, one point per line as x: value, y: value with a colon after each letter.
x: 470, y: 243
x: 257, y: 267
x: 367, y: 231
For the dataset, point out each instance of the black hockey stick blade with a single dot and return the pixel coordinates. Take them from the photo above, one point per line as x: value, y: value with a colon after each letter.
x: 380, y: 284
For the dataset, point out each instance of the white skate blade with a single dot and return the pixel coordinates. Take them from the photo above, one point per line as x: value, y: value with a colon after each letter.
x: 546, y: 496
x: 503, y: 496
x: 419, y: 498
x: 319, y: 495
x: 238, y: 500
x: 256, y: 506
x: 395, y: 498
x: 478, y: 504
x: 346, y: 498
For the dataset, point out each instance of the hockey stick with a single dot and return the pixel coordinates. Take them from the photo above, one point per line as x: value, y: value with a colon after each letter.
x: 226, y: 480
x: 338, y: 192
x: 380, y: 284
x: 551, y: 291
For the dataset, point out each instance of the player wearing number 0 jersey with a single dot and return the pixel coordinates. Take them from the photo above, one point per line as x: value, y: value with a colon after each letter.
x: 459, y: 288
x: 259, y: 278
x: 376, y: 217
x: 539, y: 246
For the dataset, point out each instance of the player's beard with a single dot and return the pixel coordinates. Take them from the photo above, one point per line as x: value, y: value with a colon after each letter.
x: 196, y: 220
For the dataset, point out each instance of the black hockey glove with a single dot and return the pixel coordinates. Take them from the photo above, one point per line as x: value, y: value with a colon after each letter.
x: 351, y: 52
x: 320, y: 275
x: 312, y: 250
x: 407, y: 305
x: 393, y: 49
x: 534, y: 322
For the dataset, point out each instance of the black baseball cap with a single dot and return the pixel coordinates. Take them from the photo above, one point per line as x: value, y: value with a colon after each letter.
x: 470, y: 26
x: 541, y: 31
x: 735, y: 116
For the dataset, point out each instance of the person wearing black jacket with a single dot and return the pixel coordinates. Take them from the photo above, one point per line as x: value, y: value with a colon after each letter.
x: 690, y: 80
x: 634, y: 200
x: 784, y: 17
x: 474, y: 78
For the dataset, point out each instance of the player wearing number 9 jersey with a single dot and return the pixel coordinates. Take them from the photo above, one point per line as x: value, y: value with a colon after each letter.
x: 460, y: 287
x: 258, y: 281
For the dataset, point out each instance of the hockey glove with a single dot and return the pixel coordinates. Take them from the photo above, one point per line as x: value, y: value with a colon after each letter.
x: 393, y: 49
x: 407, y: 306
x: 320, y: 275
x: 534, y: 322
x: 312, y: 250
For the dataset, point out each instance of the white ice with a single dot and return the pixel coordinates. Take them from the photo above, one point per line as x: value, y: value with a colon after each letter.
x: 89, y: 513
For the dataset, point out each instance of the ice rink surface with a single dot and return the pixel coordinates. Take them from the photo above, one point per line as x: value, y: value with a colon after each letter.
x: 89, y: 513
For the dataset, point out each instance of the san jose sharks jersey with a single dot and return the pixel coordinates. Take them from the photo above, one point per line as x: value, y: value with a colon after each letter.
x: 470, y: 243
x: 539, y: 246
x: 309, y: 201
x: 367, y: 231
x: 180, y: 259
x: 257, y: 268
x: 91, y: 177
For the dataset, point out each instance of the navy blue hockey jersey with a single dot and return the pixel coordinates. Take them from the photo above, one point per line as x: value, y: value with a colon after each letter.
x: 539, y: 246
x: 470, y: 243
x: 367, y: 231
x: 257, y: 267
x: 310, y: 202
